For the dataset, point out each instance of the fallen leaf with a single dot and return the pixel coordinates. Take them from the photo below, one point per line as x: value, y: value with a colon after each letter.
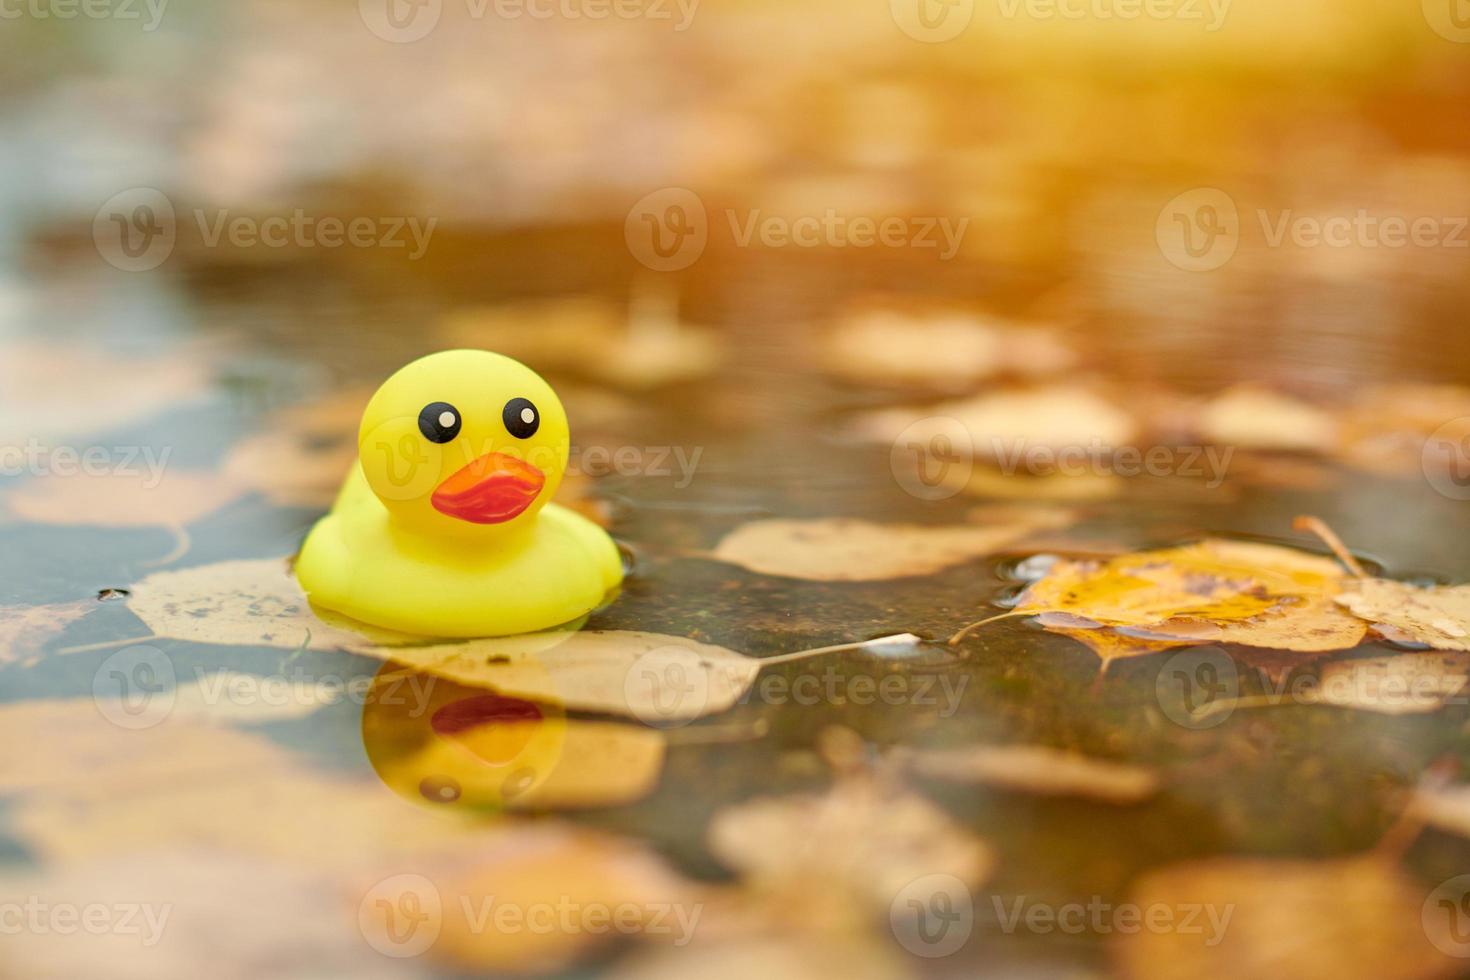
x: 303, y: 453
x: 24, y: 630
x: 1215, y: 580
x: 1009, y: 425
x: 937, y: 347
x: 1406, y: 683
x: 189, y: 912
x: 1108, y: 644
x: 245, y: 603
x: 859, y: 844
x: 850, y: 550
x: 1438, y: 615
x: 554, y: 868
x: 1308, y: 625
x: 643, y: 348
x: 1035, y: 769
x: 1256, y: 418
x: 1315, y: 920
x: 86, y: 789
x: 178, y: 498
x: 649, y: 676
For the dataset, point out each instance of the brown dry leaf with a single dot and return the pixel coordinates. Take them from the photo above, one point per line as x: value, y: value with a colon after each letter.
x: 245, y: 603
x: 852, y: 956
x: 938, y: 346
x: 643, y: 348
x: 1313, y: 920
x: 1256, y: 418
x: 88, y: 390
x: 195, y: 914
x: 858, y: 844
x: 549, y: 866
x: 649, y: 676
x: 1008, y: 424
x: 1445, y: 807
x: 1406, y: 683
x: 1387, y: 428
x: 88, y: 789
x: 24, y: 630
x: 180, y: 497
x: 303, y: 452
x: 849, y: 550
x: 1438, y: 616
x: 1036, y: 769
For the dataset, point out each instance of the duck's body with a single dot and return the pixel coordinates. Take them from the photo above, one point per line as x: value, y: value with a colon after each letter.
x: 434, y: 541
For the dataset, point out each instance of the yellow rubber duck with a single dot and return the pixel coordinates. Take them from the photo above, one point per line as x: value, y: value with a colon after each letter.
x: 445, y: 528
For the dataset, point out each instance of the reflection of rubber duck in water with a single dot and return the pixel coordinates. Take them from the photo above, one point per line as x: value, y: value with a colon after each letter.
x: 444, y: 528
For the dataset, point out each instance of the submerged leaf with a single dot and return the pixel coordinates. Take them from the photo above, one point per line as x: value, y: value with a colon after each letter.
x: 848, y: 550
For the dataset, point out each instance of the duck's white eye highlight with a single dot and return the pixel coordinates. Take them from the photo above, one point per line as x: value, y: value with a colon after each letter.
x: 446, y: 419
x: 528, y: 415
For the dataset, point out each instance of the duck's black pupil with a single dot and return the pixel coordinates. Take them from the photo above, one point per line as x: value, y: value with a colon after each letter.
x: 521, y: 418
x: 439, y: 422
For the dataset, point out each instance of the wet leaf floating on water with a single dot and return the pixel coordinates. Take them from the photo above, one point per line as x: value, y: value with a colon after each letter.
x: 303, y: 452
x: 1437, y: 615
x: 24, y: 630
x: 856, y: 845
x: 245, y: 603
x: 172, y: 500
x: 1257, y: 418
x: 1317, y: 920
x: 1108, y: 644
x: 849, y: 550
x: 1012, y: 426
x: 552, y: 866
x: 1035, y: 769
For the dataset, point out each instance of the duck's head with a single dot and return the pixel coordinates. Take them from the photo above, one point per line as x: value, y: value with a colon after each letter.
x: 464, y: 439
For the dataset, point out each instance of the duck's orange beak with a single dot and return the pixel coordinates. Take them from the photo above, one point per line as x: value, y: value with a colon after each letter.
x: 489, y: 490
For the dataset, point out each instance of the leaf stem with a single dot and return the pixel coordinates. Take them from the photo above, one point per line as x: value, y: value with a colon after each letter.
x: 1317, y: 526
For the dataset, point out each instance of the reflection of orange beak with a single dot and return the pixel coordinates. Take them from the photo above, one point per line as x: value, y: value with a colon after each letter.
x: 491, y: 489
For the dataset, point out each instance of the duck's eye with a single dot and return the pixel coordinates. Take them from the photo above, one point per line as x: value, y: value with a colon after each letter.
x: 439, y: 422
x: 521, y: 418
